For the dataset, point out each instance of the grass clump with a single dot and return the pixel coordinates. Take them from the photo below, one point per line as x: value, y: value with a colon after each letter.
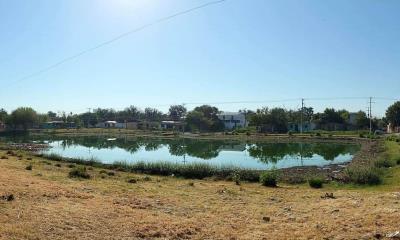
x: 132, y: 180
x: 79, y: 173
x: 269, y: 178
x: 364, y: 175
x: 384, y: 163
x: 29, y: 168
x: 316, y: 182
x: 4, y: 157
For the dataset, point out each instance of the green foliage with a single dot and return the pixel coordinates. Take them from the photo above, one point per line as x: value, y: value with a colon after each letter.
x: 316, y: 182
x: 176, y: 112
x: 79, y: 173
x: 393, y: 114
x: 270, y: 120
x: 364, y: 175
x: 384, y: 163
x: 204, y: 118
x: 269, y: 178
x: 3, y: 115
x: 24, y: 117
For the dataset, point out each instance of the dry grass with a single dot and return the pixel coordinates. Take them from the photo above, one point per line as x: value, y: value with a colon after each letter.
x: 49, y: 205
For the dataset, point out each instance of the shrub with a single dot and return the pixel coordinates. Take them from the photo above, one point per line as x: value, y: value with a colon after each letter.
x: 29, y: 168
x: 290, y: 133
x: 316, y: 182
x: 57, y: 165
x: 269, y: 178
x: 398, y: 161
x: 318, y: 134
x: 79, y: 173
x: 132, y: 180
x: 71, y: 165
x: 236, y: 178
x: 4, y: 157
x: 361, y: 135
x: 364, y: 175
x: 384, y: 163
x: 147, y: 178
x: 111, y: 173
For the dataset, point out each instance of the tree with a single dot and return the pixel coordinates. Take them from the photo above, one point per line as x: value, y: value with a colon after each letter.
x: 362, y: 120
x: 24, y: 117
x: 393, y: 114
x: 330, y: 115
x: 276, y: 119
x: 177, y: 112
x: 3, y: 115
x: 52, y: 115
x: 152, y: 114
x: 204, y: 118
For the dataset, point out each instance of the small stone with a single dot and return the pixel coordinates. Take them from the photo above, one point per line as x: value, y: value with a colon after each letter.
x: 266, y: 219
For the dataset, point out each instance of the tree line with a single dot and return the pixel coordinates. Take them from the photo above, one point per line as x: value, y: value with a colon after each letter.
x: 204, y: 118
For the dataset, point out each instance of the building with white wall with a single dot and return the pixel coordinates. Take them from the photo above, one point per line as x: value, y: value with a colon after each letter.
x: 233, y: 120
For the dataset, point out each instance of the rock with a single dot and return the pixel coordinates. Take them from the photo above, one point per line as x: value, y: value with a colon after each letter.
x: 378, y: 235
x: 394, y: 235
x: 266, y: 219
x: 8, y: 198
x: 328, y: 196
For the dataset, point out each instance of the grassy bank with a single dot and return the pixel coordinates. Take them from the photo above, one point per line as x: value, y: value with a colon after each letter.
x: 189, y: 170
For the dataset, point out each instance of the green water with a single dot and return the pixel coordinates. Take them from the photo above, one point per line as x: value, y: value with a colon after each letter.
x: 250, y: 155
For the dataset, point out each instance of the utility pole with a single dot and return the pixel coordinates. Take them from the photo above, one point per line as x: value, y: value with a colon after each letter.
x: 370, y: 115
x: 302, y: 114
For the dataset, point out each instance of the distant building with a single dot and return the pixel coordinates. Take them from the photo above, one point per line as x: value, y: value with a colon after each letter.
x: 233, y: 120
x: 172, y: 125
x: 57, y: 125
x: 393, y: 129
x: 110, y: 124
x: 352, y: 119
x: 297, y: 127
x: 148, y: 125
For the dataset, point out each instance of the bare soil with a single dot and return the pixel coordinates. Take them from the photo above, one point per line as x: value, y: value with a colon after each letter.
x: 47, y: 204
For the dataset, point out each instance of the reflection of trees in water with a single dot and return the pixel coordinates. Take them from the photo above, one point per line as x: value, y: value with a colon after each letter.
x: 209, y: 149
x: 277, y: 151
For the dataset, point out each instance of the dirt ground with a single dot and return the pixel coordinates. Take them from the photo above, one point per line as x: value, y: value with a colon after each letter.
x: 48, y: 204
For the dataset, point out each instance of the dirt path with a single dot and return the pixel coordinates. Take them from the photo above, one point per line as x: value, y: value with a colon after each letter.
x: 49, y: 205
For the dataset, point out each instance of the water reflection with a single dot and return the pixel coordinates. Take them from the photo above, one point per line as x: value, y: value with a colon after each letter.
x: 209, y: 149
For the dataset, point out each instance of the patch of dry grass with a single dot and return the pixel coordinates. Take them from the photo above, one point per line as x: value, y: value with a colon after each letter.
x: 49, y: 205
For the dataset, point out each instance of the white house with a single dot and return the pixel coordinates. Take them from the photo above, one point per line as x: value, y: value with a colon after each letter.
x: 233, y: 120
x: 107, y: 124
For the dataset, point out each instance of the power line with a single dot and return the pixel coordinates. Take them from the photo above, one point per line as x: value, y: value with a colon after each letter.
x: 119, y: 37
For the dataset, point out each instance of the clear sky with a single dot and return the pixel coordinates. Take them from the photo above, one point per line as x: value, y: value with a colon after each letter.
x: 239, y: 50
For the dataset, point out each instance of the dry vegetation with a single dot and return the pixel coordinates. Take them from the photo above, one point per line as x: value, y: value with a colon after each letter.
x: 47, y: 204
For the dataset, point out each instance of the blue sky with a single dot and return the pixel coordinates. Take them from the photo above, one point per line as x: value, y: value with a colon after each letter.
x: 239, y: 50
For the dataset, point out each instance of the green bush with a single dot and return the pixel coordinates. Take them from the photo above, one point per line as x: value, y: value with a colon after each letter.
x: 364, y: 175
x: 79, y: 173
x: 384, y: 163
x: 398, y: 161
x: 316, y: 182
x: 318, y: 134
x: 269, y: 178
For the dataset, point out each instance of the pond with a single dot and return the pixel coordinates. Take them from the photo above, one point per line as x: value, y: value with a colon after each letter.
x: 250, y: 155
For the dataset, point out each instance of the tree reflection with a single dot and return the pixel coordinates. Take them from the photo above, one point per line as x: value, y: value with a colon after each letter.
x: 209, y: 149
